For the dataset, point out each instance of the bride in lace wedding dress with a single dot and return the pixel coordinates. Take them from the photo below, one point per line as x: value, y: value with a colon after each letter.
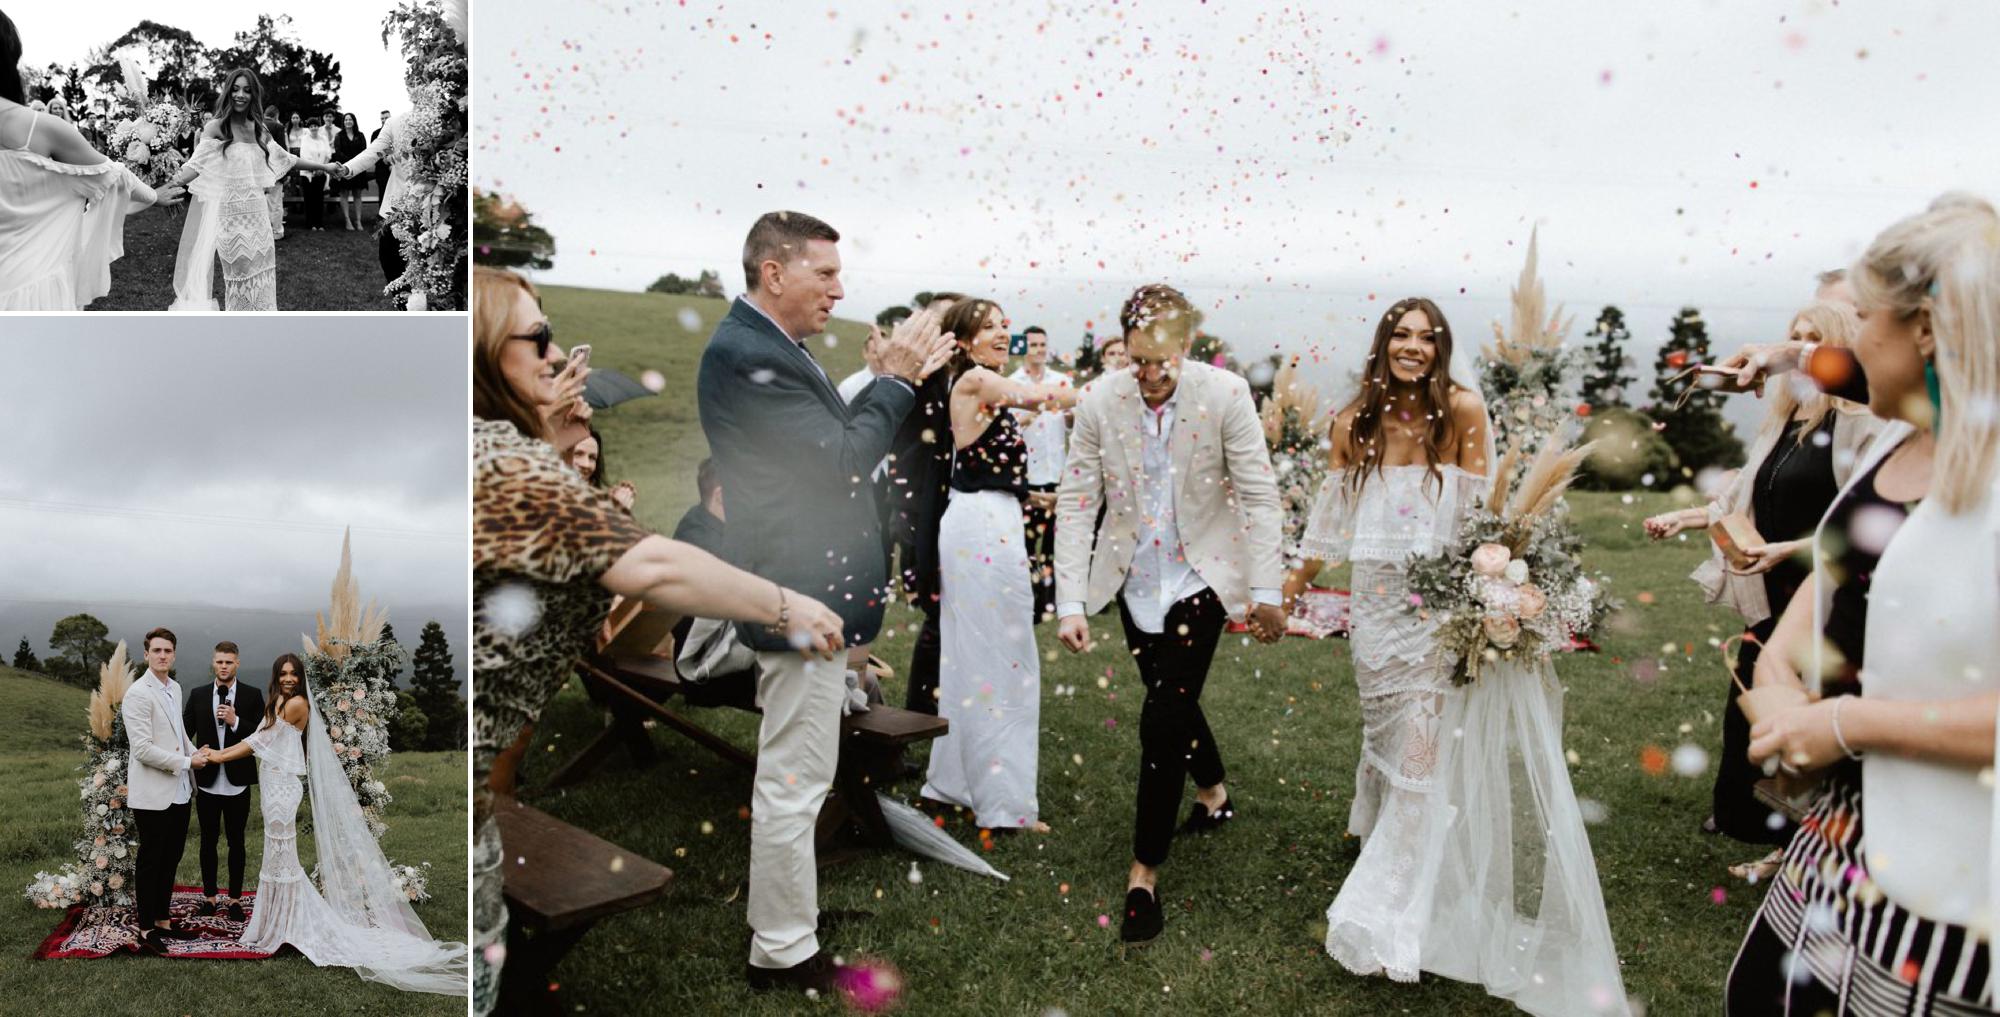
x: 1474, y: 864
x: 363, y: 921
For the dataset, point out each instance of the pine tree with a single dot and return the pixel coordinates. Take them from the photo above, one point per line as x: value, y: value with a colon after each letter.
x: 436, y: 690
x: 24, y: 658
x: 1605, y: 381
x: 388, y: 633
x: 1696, y: 432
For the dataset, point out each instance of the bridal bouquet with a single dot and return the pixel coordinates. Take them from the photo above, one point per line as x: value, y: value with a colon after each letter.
x: 1510, y: 585
x: 148, y: 130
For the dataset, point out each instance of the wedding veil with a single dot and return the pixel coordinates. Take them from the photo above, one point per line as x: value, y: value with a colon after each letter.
x: 358, y: 886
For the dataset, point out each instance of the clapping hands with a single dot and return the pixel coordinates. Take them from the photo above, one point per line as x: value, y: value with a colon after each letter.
x: 916, y: 349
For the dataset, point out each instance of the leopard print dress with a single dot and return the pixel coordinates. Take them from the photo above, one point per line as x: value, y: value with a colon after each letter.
x: 541, y: 537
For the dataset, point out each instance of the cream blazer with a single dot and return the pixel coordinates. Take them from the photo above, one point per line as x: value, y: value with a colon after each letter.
x: 1225, y: 493
x: 156, y: 766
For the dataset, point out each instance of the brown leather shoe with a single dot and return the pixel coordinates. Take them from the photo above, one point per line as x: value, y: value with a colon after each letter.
x: 816, y: 973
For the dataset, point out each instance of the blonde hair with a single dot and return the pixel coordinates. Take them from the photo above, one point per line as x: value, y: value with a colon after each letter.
x: 1944, y: 263
x: 494, y: 293
x: 1836, y: 325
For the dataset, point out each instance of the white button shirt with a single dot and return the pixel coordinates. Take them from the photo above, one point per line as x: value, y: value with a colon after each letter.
x: 161, y: 688
x: 1160, y: 573
x: 222, y: 785
x: 1047, y: 436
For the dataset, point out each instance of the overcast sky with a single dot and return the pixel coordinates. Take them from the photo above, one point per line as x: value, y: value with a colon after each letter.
x: 1294, y: 167
x: 371, y: 75
x: 215, y: 461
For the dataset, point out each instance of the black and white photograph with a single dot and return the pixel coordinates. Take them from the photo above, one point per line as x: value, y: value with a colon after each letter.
x: 233, y: 156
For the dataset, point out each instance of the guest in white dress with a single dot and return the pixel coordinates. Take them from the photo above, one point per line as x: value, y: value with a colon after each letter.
x: 233, y: 165
x: 989, y: 670
x: 1923, y: 725
x: 62, y: 203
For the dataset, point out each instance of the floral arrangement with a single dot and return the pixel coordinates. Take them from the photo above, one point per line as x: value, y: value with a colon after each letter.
x: 429, y: 217
x: 1511, y: 585
x: 107, y: 853
x: 146, y: 132
x: 1296, y: 435
x: 1526, y: 376
x: 352, y: 671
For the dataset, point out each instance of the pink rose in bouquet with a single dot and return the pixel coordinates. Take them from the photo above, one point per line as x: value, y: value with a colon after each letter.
x: 1502, y: 630
x: 1533, y: 601
x: 1490, y: 559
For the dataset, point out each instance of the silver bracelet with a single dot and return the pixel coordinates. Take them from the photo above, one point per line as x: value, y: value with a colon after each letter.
x: 1839, y: 738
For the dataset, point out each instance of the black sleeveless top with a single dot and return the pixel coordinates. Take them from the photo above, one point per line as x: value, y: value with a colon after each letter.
x: 1859, y: 529
x: 1791, y: 491
x: 996, y: 461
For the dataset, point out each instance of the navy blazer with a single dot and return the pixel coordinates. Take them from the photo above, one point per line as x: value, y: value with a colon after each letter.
x: 794, y: 461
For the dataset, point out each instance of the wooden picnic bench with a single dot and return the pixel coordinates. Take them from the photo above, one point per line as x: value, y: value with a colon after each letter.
x: 560, y: 881
x: 635, y: 689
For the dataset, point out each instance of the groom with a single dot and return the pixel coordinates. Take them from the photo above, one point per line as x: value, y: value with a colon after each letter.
x: 1173, y: 451
x: 158, y: 787
x: 220, y: 715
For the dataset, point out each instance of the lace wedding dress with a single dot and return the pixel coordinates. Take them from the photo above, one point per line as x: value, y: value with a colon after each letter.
x: 229, y: 218
x: 363, y: 921
x: 1474, y: 863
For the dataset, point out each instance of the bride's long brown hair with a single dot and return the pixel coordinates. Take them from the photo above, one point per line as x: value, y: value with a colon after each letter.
x: 274, y: 704
x: 1365, y: 447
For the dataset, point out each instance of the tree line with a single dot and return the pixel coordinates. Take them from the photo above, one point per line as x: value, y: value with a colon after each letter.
x: 430, y: 713
x: 296, y: 78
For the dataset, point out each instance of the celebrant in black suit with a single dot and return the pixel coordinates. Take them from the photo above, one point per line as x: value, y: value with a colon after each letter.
x: 219, y: 715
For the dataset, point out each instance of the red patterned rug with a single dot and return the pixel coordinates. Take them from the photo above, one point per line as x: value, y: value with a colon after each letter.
x: 101, y: 932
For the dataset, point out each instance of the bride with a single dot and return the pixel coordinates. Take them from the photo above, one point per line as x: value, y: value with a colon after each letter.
x: 233, y: 164
x: 1473, y: 862
x: 363, y: 921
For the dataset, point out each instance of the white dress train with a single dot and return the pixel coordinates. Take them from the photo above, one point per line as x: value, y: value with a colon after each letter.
x: 1474, y: 864
x: 362, y: 922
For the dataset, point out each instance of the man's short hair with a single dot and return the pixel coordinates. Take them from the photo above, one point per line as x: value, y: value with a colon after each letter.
x: 1156, y: 304
x: 1035, y: 330
x: 160, y: 633
x: 779, y: 237
x: 385, y: 112
x: 946, y: 295
x: 892, y: 316
x: 705, y: 479
x: 1832, y: 276
x: 227, y: 647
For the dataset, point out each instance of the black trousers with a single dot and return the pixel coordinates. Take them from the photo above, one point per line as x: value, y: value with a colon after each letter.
x: 314, y: 189
x: 217, y: 815
x: 1040, y: 526
x: 1737, y: 811
x: 162, y: 839
x: 1174, y: 740
x: 390, y: 251
x: 920, y: 694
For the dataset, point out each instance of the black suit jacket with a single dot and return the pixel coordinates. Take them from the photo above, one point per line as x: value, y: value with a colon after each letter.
x: 199, y: 719
x: 794, y: 462
x: 916, y: 486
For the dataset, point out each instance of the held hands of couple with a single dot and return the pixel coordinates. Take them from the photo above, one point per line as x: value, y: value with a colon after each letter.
x: 916, y: 348
x: 1267, y: 622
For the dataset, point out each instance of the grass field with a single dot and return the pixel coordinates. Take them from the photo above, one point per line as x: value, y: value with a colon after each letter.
x: 39, y: 754
x: 1245, y: 906
x: 329, y: 270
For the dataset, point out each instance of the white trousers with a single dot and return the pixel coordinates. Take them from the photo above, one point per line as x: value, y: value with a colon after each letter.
x: 797, y: 747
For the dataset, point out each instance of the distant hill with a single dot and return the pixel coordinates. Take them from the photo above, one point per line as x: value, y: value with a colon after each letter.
x: 42, y: 714
x: 638, y: 332
x: 261, y: 634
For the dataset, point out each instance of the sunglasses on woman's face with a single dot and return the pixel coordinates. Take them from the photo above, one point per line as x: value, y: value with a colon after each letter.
x: 542, y: 336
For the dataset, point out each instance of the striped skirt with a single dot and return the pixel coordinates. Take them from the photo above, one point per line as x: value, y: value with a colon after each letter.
x: 1826, y: 941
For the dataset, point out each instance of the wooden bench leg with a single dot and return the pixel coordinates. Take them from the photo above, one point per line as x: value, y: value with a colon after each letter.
x: 531, y: 959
